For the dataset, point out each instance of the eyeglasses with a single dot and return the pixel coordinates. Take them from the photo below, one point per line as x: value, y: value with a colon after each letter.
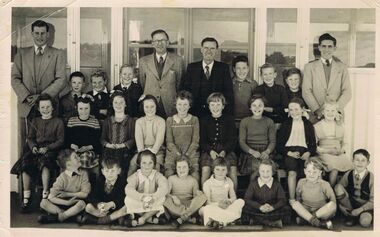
x: 159, y: 41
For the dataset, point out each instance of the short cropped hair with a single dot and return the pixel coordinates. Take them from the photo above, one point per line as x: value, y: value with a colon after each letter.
x: 316, y: 161
x: 210, y: 39
x: 77, y: 74
x: 289, y: 72
x: 238, y: 59
x: 145, y: 153
x: 257, y: 97
x: 326, y: 36
x: 220, y: 161
x: 270, y: 163
x: 363, y: 152
x: 64, y: 156
x: 44, y: 97
x: 160, y: 31
x: 297, y: 100
x: 216, y: 96
x: 99, y: 73
x: 185, y: 95
x: 40, y: 23
x: 267, y: 65
x: 127, y: 66
x: 109, y: 163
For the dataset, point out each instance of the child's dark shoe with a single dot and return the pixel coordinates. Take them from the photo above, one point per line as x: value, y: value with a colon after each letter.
x: 46, y: 219
x: 349, y: 221
x: 177, y: 223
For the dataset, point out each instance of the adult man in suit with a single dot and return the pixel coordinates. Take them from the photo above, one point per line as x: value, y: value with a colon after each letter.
x: 160, y: 74
x: 326, y: 79
x: 36, y: 70
x: 208, y: 76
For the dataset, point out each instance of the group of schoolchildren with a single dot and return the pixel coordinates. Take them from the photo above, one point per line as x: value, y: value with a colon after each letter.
x: 141, y: 180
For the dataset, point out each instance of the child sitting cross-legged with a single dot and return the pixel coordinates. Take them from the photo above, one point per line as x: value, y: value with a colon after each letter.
x: 107, y: 196
x: 265, y: 201
x: 222, y: 205
x: 315, y: 199
x: 355, y: 191
x: 68, y: 192
x: 184, y: 198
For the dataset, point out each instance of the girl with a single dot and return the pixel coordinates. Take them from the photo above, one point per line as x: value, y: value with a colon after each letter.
x: 184, y: 198
x: 145, y: 191
x: 315, y: 200
x: 243, y: 87
x: 273, y: 93
x: 292, y: 81
x: 182, y: 136
x: 83, y: 134
x: 330, y: 140
x: 131, y: 88
x: 296, y: 142
x: 118, y: 133
x: 45, y: 138
x: 149, y: 133
x: 257, y: 138
x: 265, y: 200
x: 222, y: 206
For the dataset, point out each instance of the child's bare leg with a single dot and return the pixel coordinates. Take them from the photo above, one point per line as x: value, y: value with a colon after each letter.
x: 326, y: 211
x: 132, y: 166
x: 72, y: 211
x: 146, y: 216
x: 292, y: 179
x: 206, y: 173
x: 93, y: 210
x: 45, y: 179
x: 301, y: 210
x: 50, y: 207
x: 25, y: 181
x: 118, y: 213
x: 333, y: 176
x: 342, y: 196
x: 233, y: 176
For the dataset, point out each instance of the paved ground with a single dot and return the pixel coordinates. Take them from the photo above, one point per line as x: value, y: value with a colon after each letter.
x: 30, y: 220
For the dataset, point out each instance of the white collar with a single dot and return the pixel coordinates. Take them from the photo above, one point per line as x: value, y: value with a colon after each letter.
x: 163, y: 56
x: 143, y: 178
x: 324, y: 61
x: 36, y: 48
x: 177, y: 119
x: 94, y: 92
x: 361, y: 174
x: 209, y: 66
x: 262, y: 183
x: 110, y: 183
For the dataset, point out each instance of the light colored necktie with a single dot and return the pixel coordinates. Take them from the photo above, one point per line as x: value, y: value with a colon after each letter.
x: 39, y: 50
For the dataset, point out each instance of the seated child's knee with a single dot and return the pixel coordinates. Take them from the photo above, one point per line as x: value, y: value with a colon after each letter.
x: 292, y: 174
x: 81, y: 204
x: 43, y: 203
x: 365, y: 219
x: 88, y: 207
x: 339, y: 189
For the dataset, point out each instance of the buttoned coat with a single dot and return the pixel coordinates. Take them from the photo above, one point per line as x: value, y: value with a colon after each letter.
x: 315, y: 89
x: 166, y: 87
x: 50, y: 79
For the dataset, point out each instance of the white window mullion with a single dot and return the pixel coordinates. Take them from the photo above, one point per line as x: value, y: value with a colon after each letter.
x: 116, y: 43
x: 303, y: 41
x: 73, y: 38
x: 260, y: 41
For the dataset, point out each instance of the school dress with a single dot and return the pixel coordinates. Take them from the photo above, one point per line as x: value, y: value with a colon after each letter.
x: 138, y: 185
x: 216, y: 191
x: 256, y: 134
x: 329, y: 139
x: 182, y: 136
x: 259, y: 193
x: 187, y: 191
x: 48, y: 133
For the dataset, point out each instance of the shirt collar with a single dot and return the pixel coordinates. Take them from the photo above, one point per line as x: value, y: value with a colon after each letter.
x: 94, y: 92
x: 324, y: 61
x: 110, y: 183
x: 361, y: 174
x: 36, y: 48
x: 235, y: 80
x: 209, y: 66
x: 143, y: 178
x: 70, y: 173
x: 177, y: 119
x: 163, y: 56
x: 262, y: 183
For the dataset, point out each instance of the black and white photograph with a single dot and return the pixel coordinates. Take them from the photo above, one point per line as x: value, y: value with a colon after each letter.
x: 189, y: 117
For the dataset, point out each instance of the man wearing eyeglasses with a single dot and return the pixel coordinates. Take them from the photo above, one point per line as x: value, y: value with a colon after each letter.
x: 208, y: 76
x: 326, y: 79
x: 160, y: 74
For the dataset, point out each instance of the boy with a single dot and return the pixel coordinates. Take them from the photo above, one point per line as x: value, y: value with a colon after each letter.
x: 131, y: 89
x: 100, y: 94
x: 218, y: 138
x: 71, y: 187
x: 355, y: 191
x: 107, y: 196
x: 67, y: 104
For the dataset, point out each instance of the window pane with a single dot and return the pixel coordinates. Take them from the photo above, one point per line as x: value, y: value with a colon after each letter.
x: 22, y: 19
x: 141, y: 22
x: 281, y: 39
x: 354, y: 30
x: 95, y: 41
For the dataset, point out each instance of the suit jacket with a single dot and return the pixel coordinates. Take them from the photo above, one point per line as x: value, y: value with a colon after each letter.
x: 166, y: 87
x: 50, y: 80
x: 315, y: 90
x: 219, y: 81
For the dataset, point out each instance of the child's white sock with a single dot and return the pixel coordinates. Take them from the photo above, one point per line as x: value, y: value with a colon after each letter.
x: 26, y: 195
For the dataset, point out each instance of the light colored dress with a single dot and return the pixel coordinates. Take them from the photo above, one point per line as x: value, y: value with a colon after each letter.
x: 328, y: 139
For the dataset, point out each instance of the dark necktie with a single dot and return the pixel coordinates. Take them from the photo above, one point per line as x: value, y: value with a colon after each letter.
x: 357, y: 177
x: 327, y: 63
x: 74, y: 174
x: 207, y: 72
x: 39, y: 50
x: 160, y: 66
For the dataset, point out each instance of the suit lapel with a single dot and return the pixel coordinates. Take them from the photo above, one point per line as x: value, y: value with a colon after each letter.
x: 168, y: 63
x: 152, y: 66
x: 30, y: 64
x: 321, y: 74
x: 333, y: 74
